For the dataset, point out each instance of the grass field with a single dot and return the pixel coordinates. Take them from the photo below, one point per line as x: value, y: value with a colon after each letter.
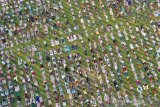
x: 145, y: 17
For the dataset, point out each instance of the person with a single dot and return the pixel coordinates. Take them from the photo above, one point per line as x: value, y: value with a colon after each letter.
x: 145, y: 86
x: 135, y: 101
x: 45, y: 43
x: 154, y: 91
x: 149, y: 99
x: 52, y: 42
x: 93, y: 101
x: 106, y: 98
x: 129, y: 2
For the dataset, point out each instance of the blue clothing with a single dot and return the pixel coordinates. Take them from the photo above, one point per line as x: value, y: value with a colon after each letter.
x: 126, y: 74
x: 67, y: 49
x: 129, y: 2
x: 37, y: 98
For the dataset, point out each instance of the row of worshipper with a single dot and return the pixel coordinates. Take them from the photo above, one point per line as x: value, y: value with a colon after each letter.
x: 34, y: 49
x: 132, y: 68
x: 110, y: 47
x: 30, y: 6
x: 131, y: 46
x: 24, y: 21
x: 110, y: 72
x: 6, y: 90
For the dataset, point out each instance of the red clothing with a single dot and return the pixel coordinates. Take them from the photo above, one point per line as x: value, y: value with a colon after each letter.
x: 33, y: 73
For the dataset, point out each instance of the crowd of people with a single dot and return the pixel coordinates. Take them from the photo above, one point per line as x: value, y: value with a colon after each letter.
x: 91, y: 53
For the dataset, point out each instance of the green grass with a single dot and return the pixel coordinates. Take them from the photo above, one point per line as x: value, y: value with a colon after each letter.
x: 91, y: 29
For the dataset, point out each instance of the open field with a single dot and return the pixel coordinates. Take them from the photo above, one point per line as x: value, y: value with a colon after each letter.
x: 122, y: 51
